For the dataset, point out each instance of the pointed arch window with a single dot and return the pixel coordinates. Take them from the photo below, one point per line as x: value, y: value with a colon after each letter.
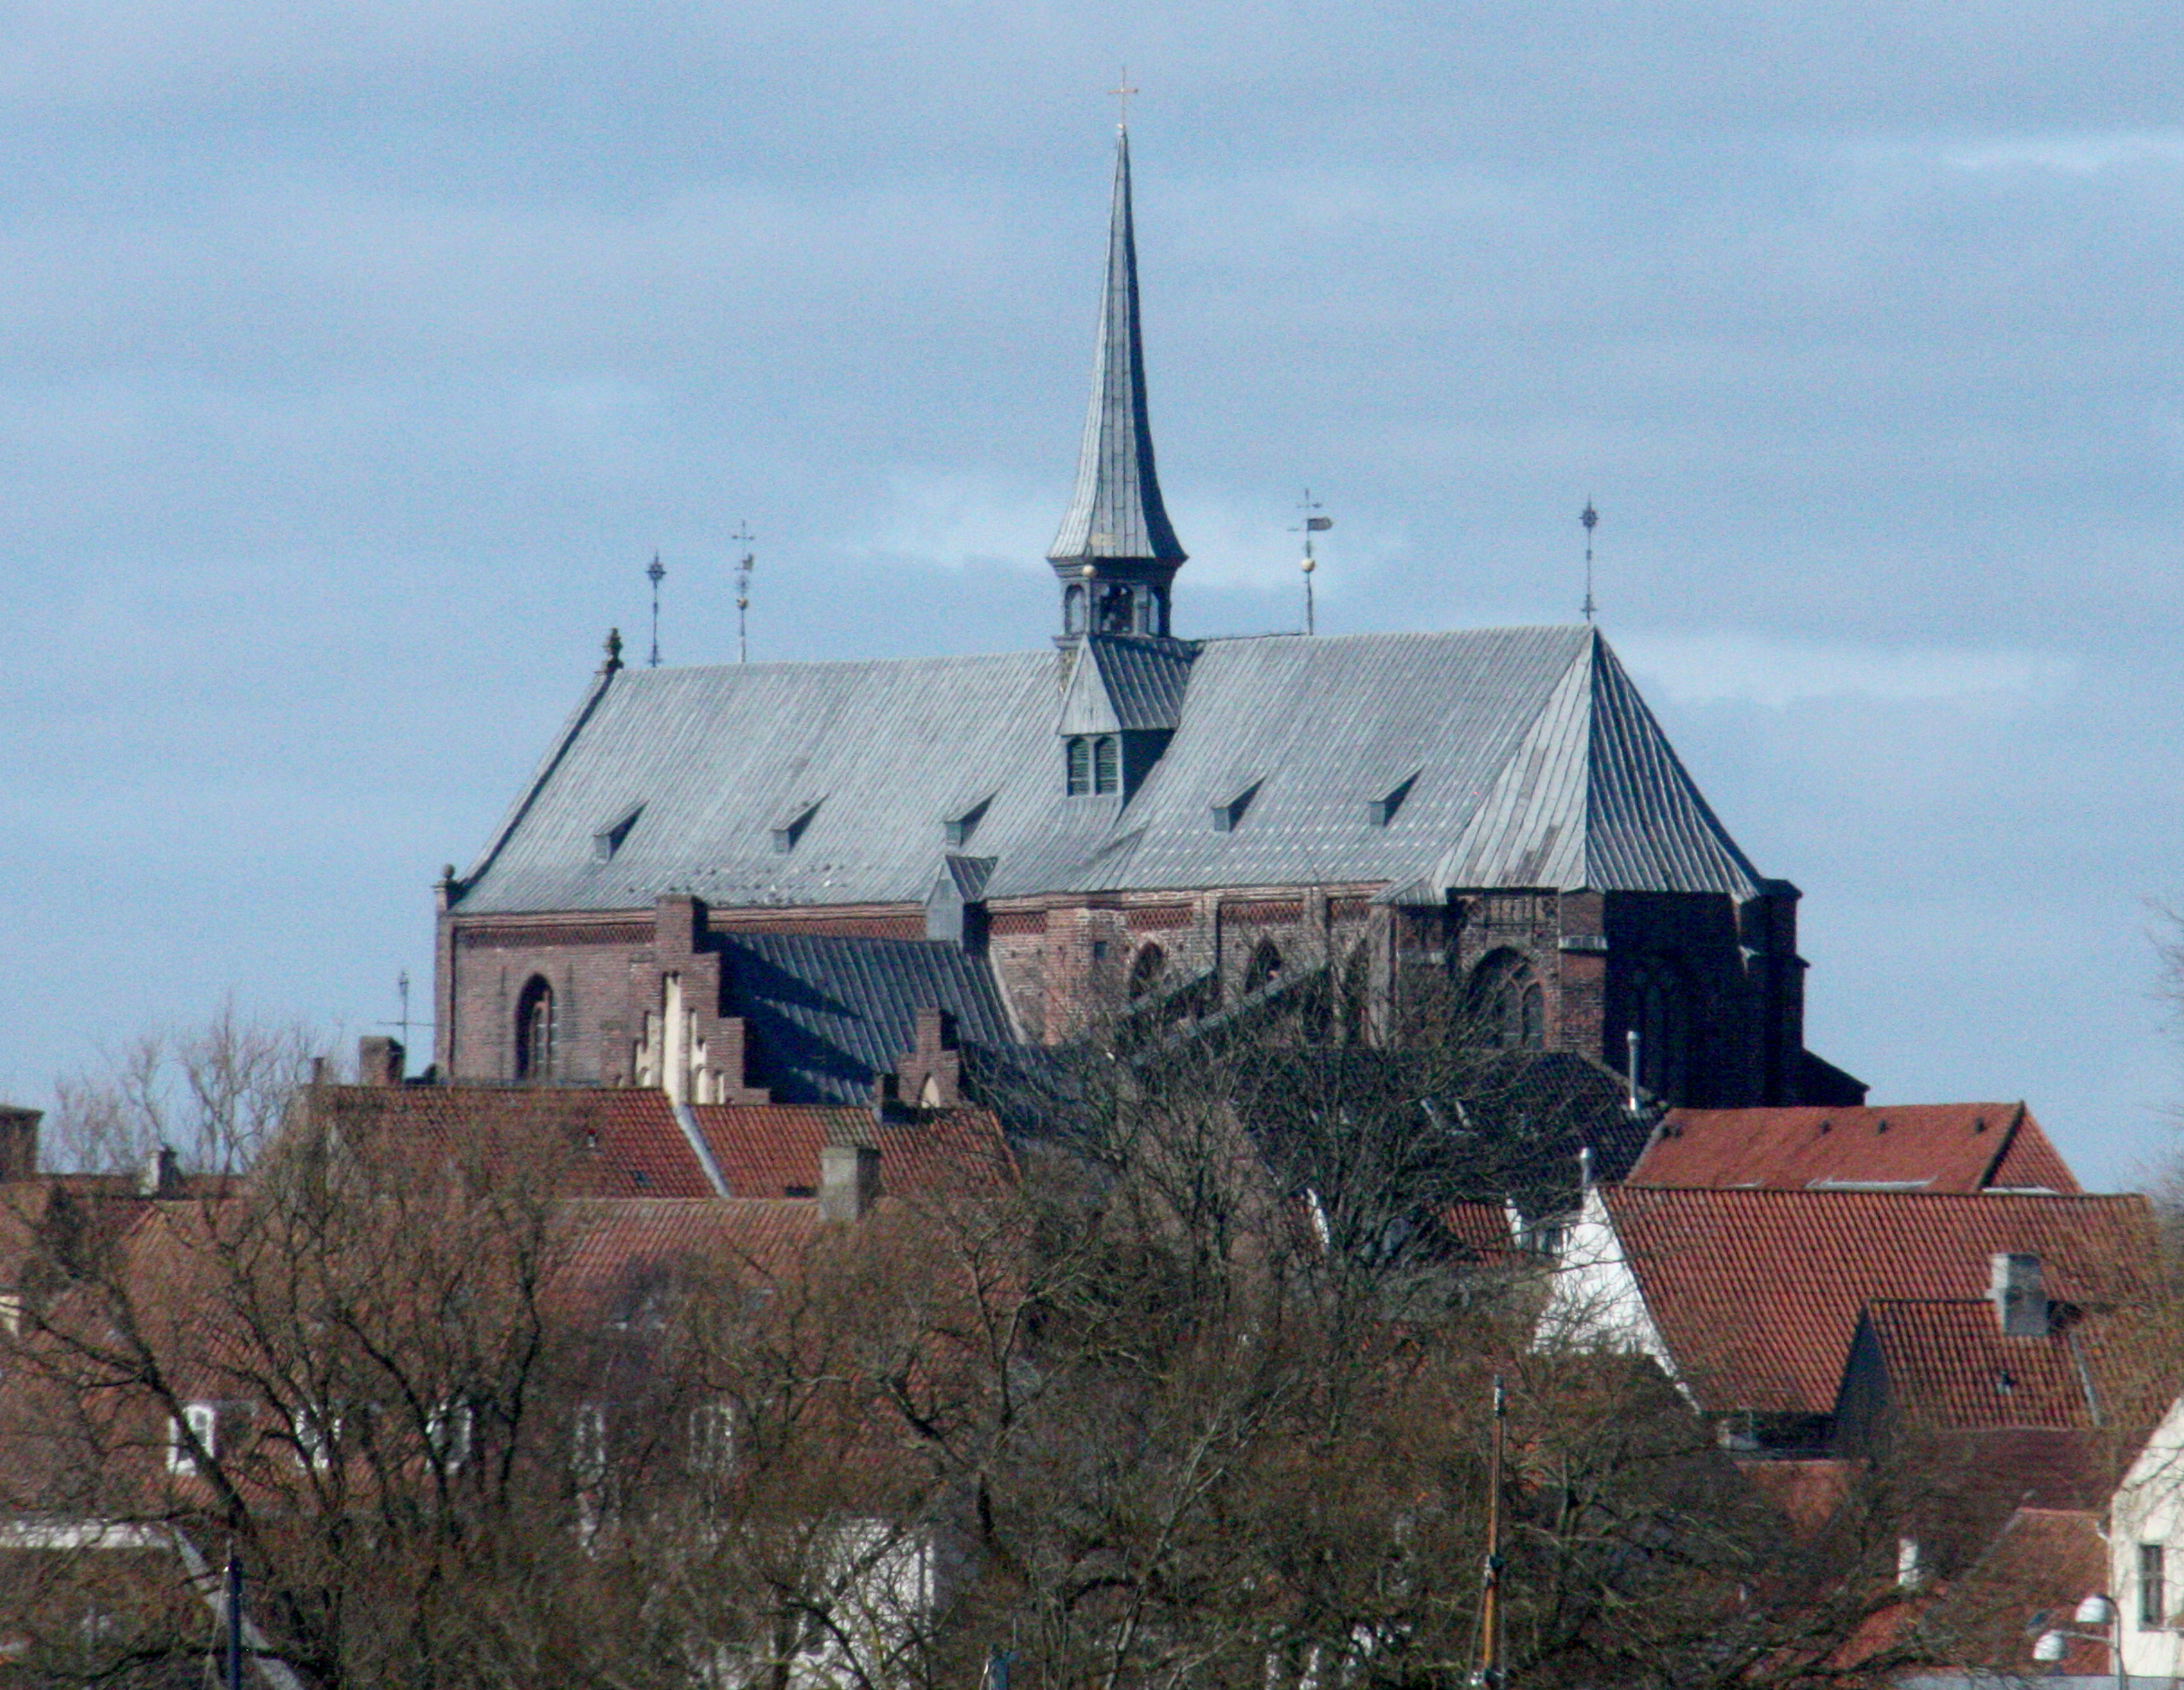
x: 534, y: 1029
x: 1145, y: 970
x: 1264, y: 967
x: 1507, y: 1004
x: 1660, y: 1015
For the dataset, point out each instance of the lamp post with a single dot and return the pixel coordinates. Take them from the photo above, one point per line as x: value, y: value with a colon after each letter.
x: 2097, y: 1609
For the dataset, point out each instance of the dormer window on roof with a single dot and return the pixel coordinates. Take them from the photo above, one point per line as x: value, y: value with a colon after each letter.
x: 791, y: 827
x: 1095, y: 764
x: 1380, y: 811
x: 964, y: 823
x: 1228, y: 813
x: 608, y: 839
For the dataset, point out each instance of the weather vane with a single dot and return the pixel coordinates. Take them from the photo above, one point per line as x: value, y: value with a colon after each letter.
x: 1312, y: 523
x: 744, y: 566
x: 402, y: 1020
x: 656, y: 574
x: 1122, y: 92
x: 1591, y: 519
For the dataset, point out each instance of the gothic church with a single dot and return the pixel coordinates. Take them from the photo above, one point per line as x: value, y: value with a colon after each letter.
x: 757, y: 883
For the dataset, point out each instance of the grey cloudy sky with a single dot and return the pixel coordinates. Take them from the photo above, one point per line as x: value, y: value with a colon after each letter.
x: 355, y: 358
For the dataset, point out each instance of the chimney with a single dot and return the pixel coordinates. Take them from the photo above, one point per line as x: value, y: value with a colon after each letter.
x: 161, y: 1175
x: 18, y: 1143
x: 2019, y: 1296
x: 380, y: 1061
x: 849, y: 1181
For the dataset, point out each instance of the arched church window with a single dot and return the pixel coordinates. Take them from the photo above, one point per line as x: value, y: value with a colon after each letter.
x: 1661, y: 1006
x: 1507, y: 1004
x: 1116, y: 611
x: 1080, y: 766
x: 1145, y: 970
x: 1073, y: 611
x: 1106, y: 764
x: 534, y: 1029
x: 1265, y: 964
x: 1356, y: 1006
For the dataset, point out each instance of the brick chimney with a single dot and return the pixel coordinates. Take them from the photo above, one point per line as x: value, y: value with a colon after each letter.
x: 380, y: 1060
x: 18, y: 1143
x: 849, y: 1181
x: 930, y: 1073
x: 2019, y: 1295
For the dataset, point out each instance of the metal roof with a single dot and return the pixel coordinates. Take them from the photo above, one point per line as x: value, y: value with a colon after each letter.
x: 1523, y: 757
x: 1596, y: 797
x: 830, y: 1013
x: 1124, y: 682
x: 1115, y: 510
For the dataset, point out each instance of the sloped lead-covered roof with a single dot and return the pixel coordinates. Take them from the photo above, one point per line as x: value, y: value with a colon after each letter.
x: 1126, y: 682
x: 1116, y: 512
x: 1596, y: 797
x: 1493, y: 758
x: 830, y: 1013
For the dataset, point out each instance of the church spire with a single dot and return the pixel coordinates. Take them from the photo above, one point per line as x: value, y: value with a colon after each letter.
x: 1116, y: 552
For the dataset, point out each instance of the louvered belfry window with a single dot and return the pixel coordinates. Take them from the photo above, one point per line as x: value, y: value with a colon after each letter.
x: 1080, y: 766
x: 1106, y: 764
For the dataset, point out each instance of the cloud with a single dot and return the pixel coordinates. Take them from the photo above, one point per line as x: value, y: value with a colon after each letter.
x: 2066, y: 154
x: 1776, y: 673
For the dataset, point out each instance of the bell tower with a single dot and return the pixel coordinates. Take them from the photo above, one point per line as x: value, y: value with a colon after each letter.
x: 1117, y: 554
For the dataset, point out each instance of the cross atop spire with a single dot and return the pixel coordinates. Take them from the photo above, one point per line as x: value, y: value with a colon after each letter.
x: 1122, y: 92
x: 1115, y: 549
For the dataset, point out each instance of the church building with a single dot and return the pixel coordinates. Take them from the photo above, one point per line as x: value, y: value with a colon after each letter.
x: 761, y: 882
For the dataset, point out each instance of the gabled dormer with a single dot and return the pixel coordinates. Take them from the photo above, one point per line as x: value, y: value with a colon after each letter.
x: 1119, y: 709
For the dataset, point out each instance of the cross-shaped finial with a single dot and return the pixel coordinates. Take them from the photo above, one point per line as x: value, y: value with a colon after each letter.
x: 1122, y: 92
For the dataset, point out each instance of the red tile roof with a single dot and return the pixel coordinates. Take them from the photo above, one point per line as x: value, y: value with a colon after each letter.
x: 1757, y: 1293
x: 1948, y: 1367
x: 774, y: 1150
x: 613, y: 1242
x: 625, y: 1142
x: 1920, y: 1147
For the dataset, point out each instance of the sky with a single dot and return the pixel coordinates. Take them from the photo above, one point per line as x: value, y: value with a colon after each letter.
x: 356, y: 358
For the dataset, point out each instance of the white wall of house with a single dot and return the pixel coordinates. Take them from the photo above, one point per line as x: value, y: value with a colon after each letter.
x: 1593, y: 1299
x: 2147, y: 1514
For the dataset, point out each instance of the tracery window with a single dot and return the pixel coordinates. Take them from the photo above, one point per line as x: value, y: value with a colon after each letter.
x: 535, y: 1031
x: 1507, y: 1003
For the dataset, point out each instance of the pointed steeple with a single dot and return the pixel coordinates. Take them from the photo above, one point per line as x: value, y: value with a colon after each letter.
x: 1117, y: 552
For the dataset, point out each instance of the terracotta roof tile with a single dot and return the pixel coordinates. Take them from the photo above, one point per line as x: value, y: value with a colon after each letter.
x: 1922, y: 1146
x: 1757, y: 1293
x: 1948, y: 1367
x: 773, y: 1150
